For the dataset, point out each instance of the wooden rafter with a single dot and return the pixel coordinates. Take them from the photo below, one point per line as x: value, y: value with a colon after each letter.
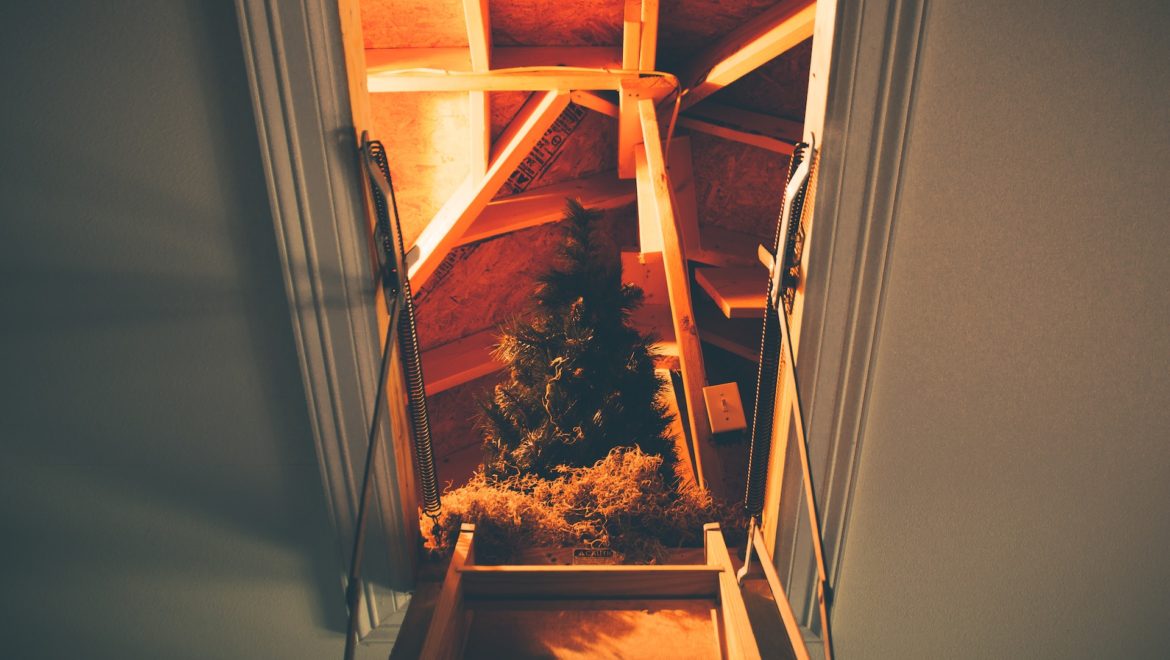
x: 754, y: 128
x: 547, y: 204
x: 461, y: 210
x: 678, y: 287
x: 500, y: 57
x: 460, y: 361
x: 747, y: 47
x: 479, y: 39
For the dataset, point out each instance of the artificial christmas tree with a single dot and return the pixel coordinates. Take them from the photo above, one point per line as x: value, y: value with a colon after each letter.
x: 581, y: 380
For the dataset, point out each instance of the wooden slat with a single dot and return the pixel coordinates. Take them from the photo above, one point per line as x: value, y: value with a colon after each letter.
x: 542, y: 205
x: 595, y: 102
x: 479, y: 39
x: 523, y: 80
x: 739, y: 292
x: 460, y: 361
x: 590, y: 581
x: 737, y: 629
x: 445, y: 635
x: 679, y: 291
x: 746, y: 48
x: 780, y: 596
x: 501, y: 57
x: 456, y: 216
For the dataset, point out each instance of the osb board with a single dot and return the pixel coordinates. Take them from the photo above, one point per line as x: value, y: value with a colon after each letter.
x: 493, y: 280
x: 590, y: 148
x: 504, y: 106
x: 413, y: 24
x: 778, y: 88
x: 426, y: 138
x: 556, y: 22
x: 686, y: 27
x: 679, y: 629
x: 737, y: 186
x: 456, y: 440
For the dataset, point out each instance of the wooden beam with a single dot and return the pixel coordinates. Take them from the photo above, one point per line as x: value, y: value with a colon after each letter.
x: 648, y: 51
x: 479, y: 39
x: 520, y: 80
x: 446, y: 632
x: 631, y: 33
x: 547, y: 204
x: 759, y: 130
x: 460, y: 361
x: 595, y: 102
x: 629, y: 132
x: 682, y: 182
x: 501, y: 57
x: 730, y: 133
x: 746, y: 48
x: 449, y: 224
x: 593, y: 582
x: 740, y: 293
x: 679, y: 291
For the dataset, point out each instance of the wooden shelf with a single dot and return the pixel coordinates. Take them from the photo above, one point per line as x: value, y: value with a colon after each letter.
x: 739, y: 292
x: 724, y: 247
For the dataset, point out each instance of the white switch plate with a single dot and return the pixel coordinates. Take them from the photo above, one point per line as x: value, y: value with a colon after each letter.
x: 724, y: 407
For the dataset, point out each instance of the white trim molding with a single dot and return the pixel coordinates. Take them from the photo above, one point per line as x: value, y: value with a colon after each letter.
x: 868, y: 113
x: 296, y: 71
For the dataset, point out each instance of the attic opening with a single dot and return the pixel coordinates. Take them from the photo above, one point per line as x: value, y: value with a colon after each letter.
x: 676, y: 124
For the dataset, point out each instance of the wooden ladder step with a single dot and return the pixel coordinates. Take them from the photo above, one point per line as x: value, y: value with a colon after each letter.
x: 739, y: 292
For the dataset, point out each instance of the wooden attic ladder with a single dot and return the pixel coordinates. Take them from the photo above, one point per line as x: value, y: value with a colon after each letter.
x: 648, y: 108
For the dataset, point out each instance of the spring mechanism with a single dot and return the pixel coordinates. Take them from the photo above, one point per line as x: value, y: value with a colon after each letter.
x: 395, y: 280
x: 770, y: 362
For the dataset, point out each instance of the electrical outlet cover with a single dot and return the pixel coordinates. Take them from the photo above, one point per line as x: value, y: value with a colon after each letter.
x: 724, y: 407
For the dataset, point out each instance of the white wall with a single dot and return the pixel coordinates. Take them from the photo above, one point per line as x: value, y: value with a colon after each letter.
x: 1013, y: 495
x: 159, y: 493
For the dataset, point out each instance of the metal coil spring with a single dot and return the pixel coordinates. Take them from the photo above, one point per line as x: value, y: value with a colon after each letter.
x: 769, y: 368
x: 408, y: 342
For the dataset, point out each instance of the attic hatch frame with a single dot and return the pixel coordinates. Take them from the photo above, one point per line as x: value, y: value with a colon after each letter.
x: 297, y: 71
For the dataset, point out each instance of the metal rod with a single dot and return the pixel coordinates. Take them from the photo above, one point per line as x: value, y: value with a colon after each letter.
x: 353, y: 586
